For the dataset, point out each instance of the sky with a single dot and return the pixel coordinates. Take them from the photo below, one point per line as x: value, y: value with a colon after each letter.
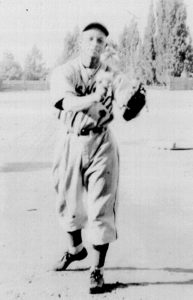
x: 24, y: 23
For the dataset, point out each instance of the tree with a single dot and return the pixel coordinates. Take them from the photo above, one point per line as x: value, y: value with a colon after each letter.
x: 148, y: 55
x: 141, y: 71
x: 9, y: 68
x: 188, y: 62
x: 178, y: 39
x: 71, y: 46
x: 34, y: 68
x: 171, y: 39
x: 123, y: 49
x: 129, y: 45
x: 161, y: 41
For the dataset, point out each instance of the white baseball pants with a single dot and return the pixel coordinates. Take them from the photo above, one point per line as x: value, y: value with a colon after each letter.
x: 86, y: 171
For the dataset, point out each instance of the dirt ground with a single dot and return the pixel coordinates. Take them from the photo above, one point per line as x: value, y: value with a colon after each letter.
x: 153, y: 257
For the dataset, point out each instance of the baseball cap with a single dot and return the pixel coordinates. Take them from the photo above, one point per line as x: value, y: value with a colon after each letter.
x: 96, y: 25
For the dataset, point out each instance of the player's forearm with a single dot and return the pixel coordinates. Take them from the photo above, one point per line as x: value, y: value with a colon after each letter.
x: 77, y: 103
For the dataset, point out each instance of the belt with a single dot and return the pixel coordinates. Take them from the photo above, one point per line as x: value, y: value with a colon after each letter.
x: 87, y: 131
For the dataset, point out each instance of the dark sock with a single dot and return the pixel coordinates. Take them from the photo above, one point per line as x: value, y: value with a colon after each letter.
x: 99, y: 255
x: 75, y: 242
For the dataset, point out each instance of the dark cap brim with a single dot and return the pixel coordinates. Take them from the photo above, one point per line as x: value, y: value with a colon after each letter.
x: 97, y: 26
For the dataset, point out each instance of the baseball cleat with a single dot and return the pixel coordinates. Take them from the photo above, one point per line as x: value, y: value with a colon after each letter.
x: 68, y: 258
x: 96, y: 282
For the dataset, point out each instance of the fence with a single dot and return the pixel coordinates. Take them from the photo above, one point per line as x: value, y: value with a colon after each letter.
x: 180, y: 83
x: 24, y: 85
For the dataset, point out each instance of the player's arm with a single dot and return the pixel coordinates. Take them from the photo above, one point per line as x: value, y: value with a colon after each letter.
x: 78, y: 103
x: 63, y: 92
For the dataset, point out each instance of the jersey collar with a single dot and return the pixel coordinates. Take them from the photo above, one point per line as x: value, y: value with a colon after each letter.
x: 87, y: 73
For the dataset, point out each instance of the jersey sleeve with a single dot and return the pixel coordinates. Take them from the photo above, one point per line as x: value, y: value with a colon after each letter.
x: 61, y: 85
x: 122, y: 90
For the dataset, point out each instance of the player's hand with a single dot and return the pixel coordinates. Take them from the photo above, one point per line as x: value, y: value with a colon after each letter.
x: 107, y: 100
x: 107, y: 103
x: 103, y: 84
x: 101, y: 91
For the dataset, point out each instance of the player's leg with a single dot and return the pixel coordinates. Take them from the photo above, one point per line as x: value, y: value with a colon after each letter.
x: 102, y: 183
x: 102, y: 178
x: 75, y: 252
x: 74, y: 240
x: 99, y: 255
x: 69, y: 207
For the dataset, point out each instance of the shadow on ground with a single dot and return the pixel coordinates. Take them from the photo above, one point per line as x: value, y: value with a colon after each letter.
x: 24, y: 166
x: 110, y: 287
x: 166, y: 269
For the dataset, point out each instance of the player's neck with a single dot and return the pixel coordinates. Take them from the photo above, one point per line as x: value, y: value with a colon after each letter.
x: 90, y: 62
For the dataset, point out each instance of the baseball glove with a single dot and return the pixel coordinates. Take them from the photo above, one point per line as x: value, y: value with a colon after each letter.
x: 135, y: 103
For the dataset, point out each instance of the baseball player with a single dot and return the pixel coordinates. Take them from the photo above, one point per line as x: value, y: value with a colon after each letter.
x: 86, y: 164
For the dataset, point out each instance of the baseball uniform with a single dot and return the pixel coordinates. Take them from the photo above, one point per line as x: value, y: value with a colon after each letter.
x: 86, y: 163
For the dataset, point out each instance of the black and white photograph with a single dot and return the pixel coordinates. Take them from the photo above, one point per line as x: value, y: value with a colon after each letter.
x: 96, y: 149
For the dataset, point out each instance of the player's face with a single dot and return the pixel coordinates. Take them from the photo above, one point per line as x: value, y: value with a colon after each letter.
x: 93, y: 43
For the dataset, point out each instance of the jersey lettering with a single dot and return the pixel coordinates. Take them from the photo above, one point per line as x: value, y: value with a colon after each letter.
x: 89, y: 89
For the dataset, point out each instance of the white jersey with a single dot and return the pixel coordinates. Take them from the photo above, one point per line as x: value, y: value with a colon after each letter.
x: 73, y: 78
